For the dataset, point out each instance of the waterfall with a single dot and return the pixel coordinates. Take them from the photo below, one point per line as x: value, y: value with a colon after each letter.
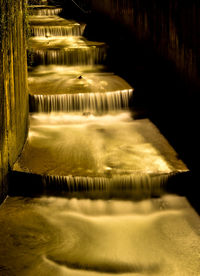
x: 69, y: 56
x: 45, y: 11
x: 83, y: 143
x: 68, y: 30
x: 119, y: 186
x: 92, y: 102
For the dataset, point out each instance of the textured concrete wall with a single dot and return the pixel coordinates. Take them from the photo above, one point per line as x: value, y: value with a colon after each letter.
x: 13, y: 86
x: 173, y: 27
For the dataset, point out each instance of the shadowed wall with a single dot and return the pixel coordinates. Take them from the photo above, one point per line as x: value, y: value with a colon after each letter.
x: 172, y: 26
x: 13, y: 86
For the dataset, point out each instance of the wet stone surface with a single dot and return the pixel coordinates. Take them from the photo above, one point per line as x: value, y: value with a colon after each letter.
x: 57, y: 236
x: 92, y: 146
x: 54, y: 80
x: 72, y: 144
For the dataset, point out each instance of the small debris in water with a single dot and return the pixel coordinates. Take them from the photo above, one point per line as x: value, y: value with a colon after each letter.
x: 86, y: 113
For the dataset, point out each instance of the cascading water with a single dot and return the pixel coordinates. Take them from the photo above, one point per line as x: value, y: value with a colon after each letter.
x: 86, y: 102
x: 83, y: 142
x: 79, y: 88
x: 109, y: 152
x: 47, y: 26
x: 82, y: 56
x: 132, y: 187
x: 70, y: 50
x: 46, y: 31
x: 69, y: 80
x: 45, y: 11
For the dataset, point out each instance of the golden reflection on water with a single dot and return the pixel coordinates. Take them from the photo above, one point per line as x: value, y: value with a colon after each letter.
x: 55, y: 79
x: 57, y: 236
x: 54, y: 236
x: 71, y: 144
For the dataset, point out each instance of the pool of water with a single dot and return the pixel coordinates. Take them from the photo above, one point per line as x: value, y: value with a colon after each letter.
x: 60, y: 236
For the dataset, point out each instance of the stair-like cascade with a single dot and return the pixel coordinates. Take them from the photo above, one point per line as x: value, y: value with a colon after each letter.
x: 47, y: 26
x: 87, y: 102
x: 44, y: 10
x: 107, y: 153
x: 53, y: 21
x: 70, y: 50
x: 84, y: 56
x: 46, y: 31
x: 79, y: 88
x: 71, y: 84
x: 88, y: 195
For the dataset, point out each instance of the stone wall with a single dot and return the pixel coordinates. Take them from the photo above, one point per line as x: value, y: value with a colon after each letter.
x: 173, y: 27
x: 13, y: 86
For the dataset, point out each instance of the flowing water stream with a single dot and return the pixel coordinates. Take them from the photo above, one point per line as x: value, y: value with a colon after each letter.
x: 84, y: 142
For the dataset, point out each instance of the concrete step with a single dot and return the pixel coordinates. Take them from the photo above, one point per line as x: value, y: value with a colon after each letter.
x: 55, y: 26
x: 66, y: 50
x: 53, y: 20
x: 84, y: 88
x: 44, y: 10
x: 110, y: 154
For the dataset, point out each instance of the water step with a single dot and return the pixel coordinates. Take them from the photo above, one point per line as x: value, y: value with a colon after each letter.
x: 59, y: 236
x: 44, y: 10
x: 106, y: 154
x: 55, y: 26
x: 80, y: 88
x: 66, y: 50
x: 68, y: 30
x: 51, y: 21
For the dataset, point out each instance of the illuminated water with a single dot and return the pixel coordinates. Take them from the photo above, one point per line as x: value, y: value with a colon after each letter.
x: 53, y: 20
x: 46, y: 26
x: 57, y: 236
x: 54, y: 80
x: 98, y: 156
x: 79, y: 88
x: 72, y: 144
x: 69, y: 50
x: 70, y: 30
x: 94, y: 146
x: 87, y: 102
x: 44, y: 10
x: 58, y: 41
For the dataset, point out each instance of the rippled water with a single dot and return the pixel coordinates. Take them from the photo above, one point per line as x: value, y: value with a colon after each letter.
x: 42, y: 20
x: 75, y: 55
x: 72, y: 144
x: 57, y: 236
x: 83, y: 152
x: 71, y: 30
x: 42, y: 10
x: 54, y: 80
x: 77, y: 88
